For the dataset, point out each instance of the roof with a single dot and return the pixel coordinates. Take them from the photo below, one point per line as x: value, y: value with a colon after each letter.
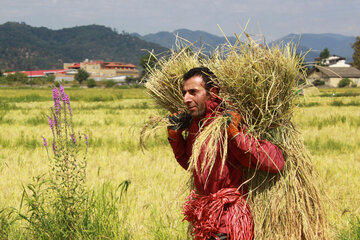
x: 76, y: 65
x: 120, y: 64
x: 40, y: 73
x: 339, y: 72
x: 114, y: 65
x: 129, y: 65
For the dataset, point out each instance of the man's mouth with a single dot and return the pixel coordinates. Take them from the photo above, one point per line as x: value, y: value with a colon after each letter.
x: 192, y: 108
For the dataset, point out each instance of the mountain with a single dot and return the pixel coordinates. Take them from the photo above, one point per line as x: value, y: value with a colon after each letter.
x: 312, y: 44
x: 23, y: 47
x: 337, y: 44
x: 167, y: 39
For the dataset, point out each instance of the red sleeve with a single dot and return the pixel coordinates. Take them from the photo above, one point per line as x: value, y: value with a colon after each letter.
x: 178, y: 145
x: 256, y: 153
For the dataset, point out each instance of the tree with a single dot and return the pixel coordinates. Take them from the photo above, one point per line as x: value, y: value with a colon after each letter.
x: 324, y: 55
x: 356, y: 54
x: 17, y: 77
x: 82, y: 75
x: 147, y: 62
x: 50, y: 78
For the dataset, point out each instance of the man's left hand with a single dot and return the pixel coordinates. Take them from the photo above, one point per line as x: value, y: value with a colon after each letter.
x: 233, y: 123
x: 179, y: 121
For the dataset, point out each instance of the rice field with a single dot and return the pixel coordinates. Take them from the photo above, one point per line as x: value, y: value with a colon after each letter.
x: 112, y: 118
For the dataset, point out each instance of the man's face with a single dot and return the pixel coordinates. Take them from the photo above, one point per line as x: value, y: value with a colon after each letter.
x: 195, y: 96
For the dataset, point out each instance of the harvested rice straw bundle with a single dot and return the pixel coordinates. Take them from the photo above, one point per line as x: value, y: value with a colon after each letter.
x: 261, y: 83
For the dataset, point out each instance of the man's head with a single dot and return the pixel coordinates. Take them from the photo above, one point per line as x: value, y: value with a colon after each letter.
x: 198, y: 88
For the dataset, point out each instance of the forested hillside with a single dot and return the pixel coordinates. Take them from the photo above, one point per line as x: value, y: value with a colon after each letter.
x: 23, y: 47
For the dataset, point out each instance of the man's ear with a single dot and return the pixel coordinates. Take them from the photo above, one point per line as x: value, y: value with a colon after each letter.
x: 214, y: 91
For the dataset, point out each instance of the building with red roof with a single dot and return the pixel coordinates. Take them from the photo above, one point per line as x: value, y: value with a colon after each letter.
x: 100, y: 70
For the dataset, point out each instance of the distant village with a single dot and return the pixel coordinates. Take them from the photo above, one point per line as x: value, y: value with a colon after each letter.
x: 327, y: 72
x: 98, y: 70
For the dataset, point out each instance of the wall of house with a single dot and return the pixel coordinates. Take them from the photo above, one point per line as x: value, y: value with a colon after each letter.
x: 64, y: 77
x: 332, y: 82
x: 98, y: 71
x: 67, y: 65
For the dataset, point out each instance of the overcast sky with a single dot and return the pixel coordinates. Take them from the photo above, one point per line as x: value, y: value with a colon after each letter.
x: 272, y: 18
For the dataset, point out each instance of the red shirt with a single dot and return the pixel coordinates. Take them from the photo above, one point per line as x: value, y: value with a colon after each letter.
x: 243, y: 152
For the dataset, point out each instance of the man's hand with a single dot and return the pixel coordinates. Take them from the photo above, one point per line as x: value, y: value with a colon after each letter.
x: 233, y: 123
x: 179, y: 121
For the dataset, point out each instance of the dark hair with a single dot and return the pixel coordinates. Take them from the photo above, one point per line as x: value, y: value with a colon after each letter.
x: 203, y: 72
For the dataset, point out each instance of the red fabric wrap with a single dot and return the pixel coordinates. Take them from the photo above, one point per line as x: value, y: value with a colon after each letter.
x: 206, y: 213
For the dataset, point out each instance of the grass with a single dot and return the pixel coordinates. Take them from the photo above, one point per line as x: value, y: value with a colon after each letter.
x: 152, y: 205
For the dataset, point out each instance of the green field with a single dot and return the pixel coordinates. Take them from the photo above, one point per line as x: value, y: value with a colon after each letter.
x: 329, y: 122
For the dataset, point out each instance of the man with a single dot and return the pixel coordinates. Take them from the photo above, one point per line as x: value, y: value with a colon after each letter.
x: 218, y: 209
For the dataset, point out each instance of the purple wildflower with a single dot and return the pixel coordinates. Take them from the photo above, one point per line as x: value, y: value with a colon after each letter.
x: 73, y: 138
x: 67, y: 100
x: 86, y: 139
x: 55, y: 120
x: 44, y: 141
x: 51, y: 123
x: 54, y: 147
x: 56, y: 98
x: 62, y: 92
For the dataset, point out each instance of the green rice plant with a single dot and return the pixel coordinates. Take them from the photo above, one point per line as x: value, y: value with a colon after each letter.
x: 310, y: 104
x: 3, y: 120
x: 4, y: 106
x: 29, y: 142
x: 332, y: 120
x: 26, y: 98
x: 353, y: 233
x: 106, y: 214
x: 321, y: 146
x: 8, y: 217
x: 143, y: 105
x: 341, y: 103
x: 4, y: 143
x: 337, y: 103
x: 355, y: 121
x: 340, y: 94
x: 162, y: 227
x: 35, y: 121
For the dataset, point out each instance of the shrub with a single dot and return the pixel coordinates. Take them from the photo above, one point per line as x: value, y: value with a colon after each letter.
x: 318, y: 82
x: 344, y: 82
x: 91, y: 83
x: 110, y: 83
x: 50, y: 78
x: 17, y: 77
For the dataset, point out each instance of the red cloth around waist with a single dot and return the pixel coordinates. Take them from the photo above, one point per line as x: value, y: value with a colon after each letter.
x: 225, y: 211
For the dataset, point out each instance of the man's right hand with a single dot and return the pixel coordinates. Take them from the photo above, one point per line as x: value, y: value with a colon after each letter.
x: 179, y: 121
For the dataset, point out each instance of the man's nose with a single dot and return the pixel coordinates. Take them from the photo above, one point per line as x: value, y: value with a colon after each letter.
x: 187, y: 98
